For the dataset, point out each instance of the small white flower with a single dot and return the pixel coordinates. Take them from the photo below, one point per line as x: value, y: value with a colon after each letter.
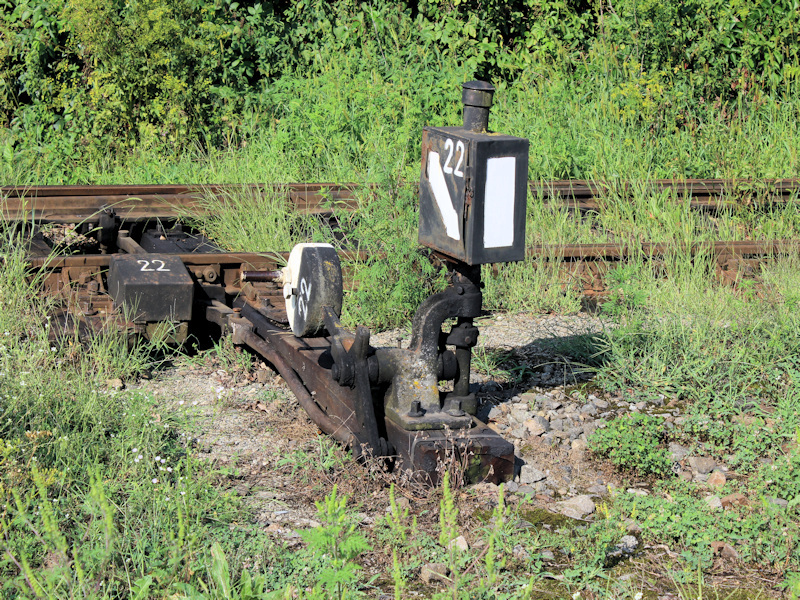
x: 169, y: 469
x: 163, y: 460
x: 167, y: 498
x: 135, y: 450
x: 180, y: 402
x: 194, y: 403
x: 183, y: 493
x: 638, y: 596
x: 158, y: 458
x: 140, y: 457
x: 155, y: 480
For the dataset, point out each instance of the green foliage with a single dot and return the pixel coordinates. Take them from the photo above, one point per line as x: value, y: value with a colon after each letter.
x: 633, y: 442
x: 397, y: 520
x: 781, y: 478
x: 397, y: 274
x: 720, y: 46
x: 170, y: 75
x: 338, y: 540
x: 98, y: 494
x: 685, y: 521
x: 448, y: 513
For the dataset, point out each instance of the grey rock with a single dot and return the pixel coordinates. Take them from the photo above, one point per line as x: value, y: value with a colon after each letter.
x: 495, y: 413
x: 632, y: 527
x: 520, y: 553
x: 520, y: 432
x: 577, y: 507
x: 702, y: 464
x: 678, y: 452
x: 575, y: 433
x: 641, y: 406
x: 638, y: 492
x: 526, y: 490
x: 589, y: 409
x: 512, y: 486
x: 624, y: 548
x: 547, y: 555
x: 579, y: 445
x: 459, y: 543
x: 628, y: 544
x: 529, y: 474
x: 519, y: 415
x: 532, y: 398
x: 598, y: 402
x: 434, y: 573
x: 713, y: 502
x: 780, y: 502
x: 541, y: 422
x: 556, y: 424
x: 598, y: 490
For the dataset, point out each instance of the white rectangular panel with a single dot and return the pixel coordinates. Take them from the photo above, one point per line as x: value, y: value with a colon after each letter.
x: 442, y: 196
x: 498, y: 209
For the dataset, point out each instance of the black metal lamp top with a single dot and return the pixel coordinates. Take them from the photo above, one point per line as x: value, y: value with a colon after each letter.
x: 477, y: 99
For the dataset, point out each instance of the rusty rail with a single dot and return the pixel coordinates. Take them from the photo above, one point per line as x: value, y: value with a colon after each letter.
x: 84, y: 204
x: 708, y: 194
x: 78, y: 203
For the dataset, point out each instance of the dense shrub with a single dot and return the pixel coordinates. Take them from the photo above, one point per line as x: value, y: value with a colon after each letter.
x: 177, y: 72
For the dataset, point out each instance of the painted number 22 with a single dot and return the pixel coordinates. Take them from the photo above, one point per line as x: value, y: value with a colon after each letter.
x: 459, y: 150
x: 304, y: 298
x: 146, y: 265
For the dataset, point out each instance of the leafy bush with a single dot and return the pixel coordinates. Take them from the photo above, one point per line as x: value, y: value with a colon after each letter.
x: 633, y: 442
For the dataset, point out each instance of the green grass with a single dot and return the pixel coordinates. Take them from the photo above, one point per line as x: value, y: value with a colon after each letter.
x: 99, y: 489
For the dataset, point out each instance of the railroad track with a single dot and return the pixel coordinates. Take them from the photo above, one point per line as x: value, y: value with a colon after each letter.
x: 84, y: 204
x: 127, y: 260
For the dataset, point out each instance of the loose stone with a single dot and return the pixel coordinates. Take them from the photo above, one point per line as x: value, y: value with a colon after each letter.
x: 717, y: 479
x: 577, y: 507
x: 529, y: 474
x: 434, y: 573
x: 702, y: 464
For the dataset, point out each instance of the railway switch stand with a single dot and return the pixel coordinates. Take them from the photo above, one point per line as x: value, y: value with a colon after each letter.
x: 147, y: 274
x: 473, y: 195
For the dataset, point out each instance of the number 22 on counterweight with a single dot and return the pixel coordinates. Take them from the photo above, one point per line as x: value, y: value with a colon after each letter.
x: 302, y: 303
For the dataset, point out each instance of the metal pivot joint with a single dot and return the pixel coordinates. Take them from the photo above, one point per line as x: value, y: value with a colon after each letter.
x: 413, y: 400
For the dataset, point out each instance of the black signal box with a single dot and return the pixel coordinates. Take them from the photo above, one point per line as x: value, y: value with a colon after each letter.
x: 473, y: 195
